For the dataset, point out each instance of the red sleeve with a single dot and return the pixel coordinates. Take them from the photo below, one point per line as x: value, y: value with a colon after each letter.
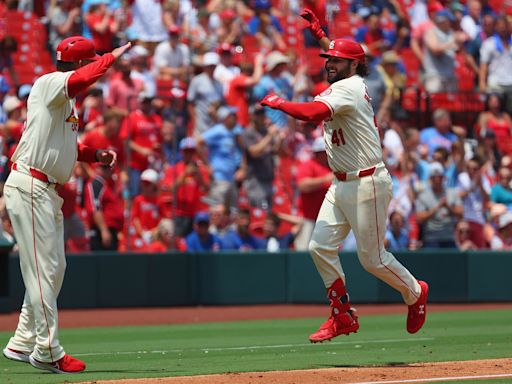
x: 86, y: 154
x: 304, y: 170
x: 313, y: 111
x: 125, y: 131
x: 87, y: 75
x: 135, y: 211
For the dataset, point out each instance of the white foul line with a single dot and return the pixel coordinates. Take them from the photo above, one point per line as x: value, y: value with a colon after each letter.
x: 243, y: 348
x: 434, y: 379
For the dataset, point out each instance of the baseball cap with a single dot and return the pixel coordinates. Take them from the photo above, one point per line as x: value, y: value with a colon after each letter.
x: 76, y: 48
x: 202, y: 217
x: 275, y: 58
x: 174, y: 30
x: 225, y: 111
x: 390, y: 57
x: 11, y: 103
x: 149, y: 175
x: 210, y: 58
x: 318, y: 145
x: 434, y: 6
x: 504, y: 220
x: 227, y: 14
x: 188, y: 143
x: 436, y: 169
x: 225, y: 48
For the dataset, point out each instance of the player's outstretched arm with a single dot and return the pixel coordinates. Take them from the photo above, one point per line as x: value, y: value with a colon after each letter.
x: 313, y: 111
x: 315, y: 28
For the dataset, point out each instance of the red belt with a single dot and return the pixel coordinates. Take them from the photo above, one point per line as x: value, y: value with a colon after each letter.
x: 342, y: 176
x: 36, y: 174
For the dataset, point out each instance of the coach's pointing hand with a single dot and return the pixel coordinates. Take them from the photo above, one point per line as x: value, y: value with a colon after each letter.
x: 107, y: 157
x: 272, y: 100
x: 120, y: 50
x: 314, y: 23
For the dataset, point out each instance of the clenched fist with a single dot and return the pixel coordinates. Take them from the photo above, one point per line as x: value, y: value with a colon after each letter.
x: 314, y: 24
x: 272, y: 100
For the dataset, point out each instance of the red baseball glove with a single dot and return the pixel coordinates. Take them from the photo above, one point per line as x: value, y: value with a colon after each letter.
x: 314, y: 24
x: 272, y: 100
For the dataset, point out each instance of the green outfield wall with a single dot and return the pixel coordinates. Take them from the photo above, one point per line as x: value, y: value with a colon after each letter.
x: 178, y: 279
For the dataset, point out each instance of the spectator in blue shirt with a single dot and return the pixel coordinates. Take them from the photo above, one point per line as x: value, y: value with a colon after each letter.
x: 240, y: 238
x: 200, y: 239
x: 501, y: 192
x: 274, y: 242
x: 266, y: 27
x: 397, y: 235
x: 224, y: 155
x: 440, y: 135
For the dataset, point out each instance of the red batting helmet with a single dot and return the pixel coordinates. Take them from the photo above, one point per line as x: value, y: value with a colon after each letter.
x: 345, y: 49
x: 76, y: 48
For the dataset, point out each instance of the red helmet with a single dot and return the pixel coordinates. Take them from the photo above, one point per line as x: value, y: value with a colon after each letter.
x: 76, y: 48
x: 345, y: 49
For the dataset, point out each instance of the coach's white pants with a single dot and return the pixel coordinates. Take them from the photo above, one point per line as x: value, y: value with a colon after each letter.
x: 35, y: 212
x: 360, y: 205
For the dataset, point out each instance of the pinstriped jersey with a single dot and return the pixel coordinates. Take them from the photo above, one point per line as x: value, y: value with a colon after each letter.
x: 351, y: 135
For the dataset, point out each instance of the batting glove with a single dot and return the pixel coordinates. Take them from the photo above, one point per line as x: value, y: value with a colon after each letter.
x: 314, y: 24
x: 272, y: 100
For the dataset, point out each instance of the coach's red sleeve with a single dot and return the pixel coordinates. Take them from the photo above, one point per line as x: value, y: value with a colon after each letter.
x: 88, y: 74
x: 313, y: 111
x: 86, y: 154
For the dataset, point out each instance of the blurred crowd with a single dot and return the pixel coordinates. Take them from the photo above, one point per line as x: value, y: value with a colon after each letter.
x: 203, y: 167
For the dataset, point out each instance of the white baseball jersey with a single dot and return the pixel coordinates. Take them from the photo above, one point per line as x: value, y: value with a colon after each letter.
x: 49, y: 141
x: 352, y: 139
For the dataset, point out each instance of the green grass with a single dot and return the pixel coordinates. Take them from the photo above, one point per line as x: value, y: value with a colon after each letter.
x: 179, y: 350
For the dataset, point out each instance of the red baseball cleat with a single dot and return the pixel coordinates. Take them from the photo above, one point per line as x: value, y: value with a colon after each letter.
x: 418, y: 311
x: 67, y: 364
x: 15, y: 355
x: 336, y: 325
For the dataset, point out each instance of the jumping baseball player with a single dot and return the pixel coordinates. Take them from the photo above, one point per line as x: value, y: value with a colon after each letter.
x: 359, y: 196
x: 45, y: 158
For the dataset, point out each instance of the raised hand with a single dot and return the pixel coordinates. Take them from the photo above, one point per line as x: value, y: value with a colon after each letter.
x: 314, y: 24
x: 120, y: 50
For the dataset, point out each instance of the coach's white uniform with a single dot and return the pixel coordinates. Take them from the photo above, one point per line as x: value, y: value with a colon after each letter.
x: 360, y: 202
x: 48, y: 145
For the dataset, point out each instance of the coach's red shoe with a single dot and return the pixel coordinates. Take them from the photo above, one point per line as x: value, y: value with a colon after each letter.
x: 67, y: 364
x: 418, y: 311
x: 336, y: 325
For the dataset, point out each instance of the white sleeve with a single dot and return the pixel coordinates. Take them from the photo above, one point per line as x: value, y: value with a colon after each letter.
x: 54, y: 88
x: 338, y: 98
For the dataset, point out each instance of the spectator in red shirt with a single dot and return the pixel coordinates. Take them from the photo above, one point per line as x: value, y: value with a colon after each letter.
x: 189, y: 180
x: 105, y: 208
x: 124, y: 91
x: 141, y: 129
x: 92, y: 109
x: 237, y: 93
x: 164, y: 239
x: 145, y: 213
x: 313, y: 179
x: 103, y: 26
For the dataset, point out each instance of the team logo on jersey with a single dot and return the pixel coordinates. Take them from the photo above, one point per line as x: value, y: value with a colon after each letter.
x: 328, y: 91
x: 74, y: 122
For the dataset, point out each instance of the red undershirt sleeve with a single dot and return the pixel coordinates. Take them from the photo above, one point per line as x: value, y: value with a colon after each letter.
x: 312, y: 111
x: 88, y: 74
x: 86, y: 154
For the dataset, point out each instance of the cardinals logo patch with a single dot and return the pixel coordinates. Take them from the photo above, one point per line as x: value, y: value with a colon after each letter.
x: 74, y: 122
x: 328, y: 91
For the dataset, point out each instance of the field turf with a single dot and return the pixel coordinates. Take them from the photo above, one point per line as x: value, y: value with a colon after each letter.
x: 265, y: 345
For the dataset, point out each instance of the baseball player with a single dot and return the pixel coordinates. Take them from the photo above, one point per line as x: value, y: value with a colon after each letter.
x: 45, y: 158
x: 359, y: 196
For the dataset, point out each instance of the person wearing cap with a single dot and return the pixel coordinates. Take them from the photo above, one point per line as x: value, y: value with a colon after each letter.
x: 358, y: 198
x: 172, y: 57
x: 275, y: 80
x: 187, y: 183
x: 225, y: 71
x: 200, y: 239
x: 141, y: 130
x: 44, y: 158
x: 313, y: 179
x: 437, y: 210
x: 145, y: 212
x: 205, y: 94
x: 240, y: 237
x: 393, y: 78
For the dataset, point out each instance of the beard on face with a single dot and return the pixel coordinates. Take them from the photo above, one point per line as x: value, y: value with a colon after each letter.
x: 339, y: 75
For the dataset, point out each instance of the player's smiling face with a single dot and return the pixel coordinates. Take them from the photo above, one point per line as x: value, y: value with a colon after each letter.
x: 337, y: 69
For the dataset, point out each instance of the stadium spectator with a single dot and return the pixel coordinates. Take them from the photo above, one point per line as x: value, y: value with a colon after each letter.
x: 103, y: 26
x: 220, y: 219
x: 486, y: 31
x: 65, y: 20
x: 177, y: 110
x: 275, y: 80
x: 313, y: 180
x: 471, y: 22
x: 200, y: 239
x: 164, y: 239
x: 437, y: 211
x: 266, y: 27
x: 496, y: 60
x: 12, y: 128
x: 187, y: 182
x: 488, y: 149
x: 170, y: 142
x: 225, y: 71
x: 474, y: 190
x: 463, y: 238
x: 8, y: 46
x: 364, y: 8
x: 222, y: 143
x: 172, y: 58
x: 231, y: 29
x: 495, y: 118
x: 502, y: 240
x: 139, y: 61
x: 275, y: 242
x: 406, y: 184
x: 141, y: 130
x: 262, y: 143
x: 240, y: 237
x: 92, y: 109
x: 377, y: 39
x: 123, y: 90
x: 147, y: 23
x: 202, y: 35
x: 145, y: 213
x: 377, y: 88
x: 501, y: 192
x: 105, y: 208
x: 442, y: 134
x: 75, y: 236
x: 420, y: 28
x: 393, y: 78
x: 204, y: 95
x: 397, y: 235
